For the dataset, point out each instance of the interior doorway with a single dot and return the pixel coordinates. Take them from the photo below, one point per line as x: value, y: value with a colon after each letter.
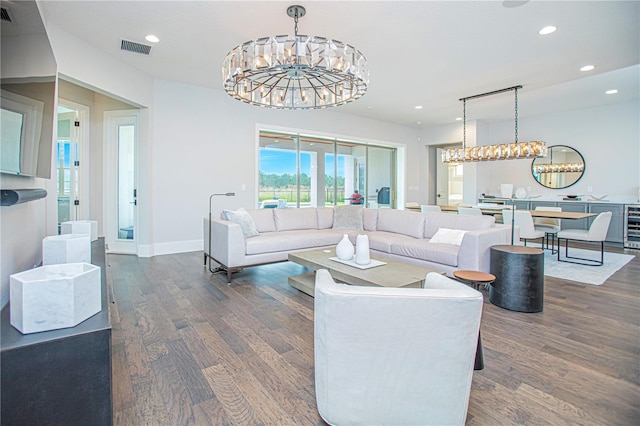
x: 121, y: 218
x: 72, y: 160
x: 448, y: 178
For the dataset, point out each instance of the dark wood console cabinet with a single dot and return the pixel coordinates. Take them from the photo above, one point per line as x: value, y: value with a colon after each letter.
x: 59, y: 377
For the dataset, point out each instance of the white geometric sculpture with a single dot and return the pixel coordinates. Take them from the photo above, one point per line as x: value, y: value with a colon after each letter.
x: 67, y: 248
x: 506, y: 190
x: 80, y: 227
x: 54, y: 296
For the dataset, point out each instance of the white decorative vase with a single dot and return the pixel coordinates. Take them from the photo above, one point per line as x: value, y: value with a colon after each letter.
x: 362, y: 250
x: 344, y: 249
x: 80, y: 227
x: 51, y: 297
x: 67, y: 248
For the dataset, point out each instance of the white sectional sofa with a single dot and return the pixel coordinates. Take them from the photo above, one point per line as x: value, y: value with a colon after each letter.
x: 269, y: 235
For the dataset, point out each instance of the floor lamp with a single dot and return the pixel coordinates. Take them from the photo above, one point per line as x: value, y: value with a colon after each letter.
x: 513, y: 221
x: 227, y: 194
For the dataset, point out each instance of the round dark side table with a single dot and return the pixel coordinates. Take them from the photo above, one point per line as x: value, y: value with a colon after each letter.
x: 519, y: 284
x: 476, y: 279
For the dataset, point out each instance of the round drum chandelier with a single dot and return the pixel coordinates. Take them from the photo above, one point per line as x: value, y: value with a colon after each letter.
x: 295, y: 72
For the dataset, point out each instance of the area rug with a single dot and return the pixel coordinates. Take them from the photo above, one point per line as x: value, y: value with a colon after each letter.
x: 594, y: 275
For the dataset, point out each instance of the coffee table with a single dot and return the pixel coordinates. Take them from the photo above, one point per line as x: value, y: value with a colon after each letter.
x: 391, y: 274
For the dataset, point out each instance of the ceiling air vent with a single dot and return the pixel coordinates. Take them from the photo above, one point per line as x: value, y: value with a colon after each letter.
x: 5, y: 15
x: 132, y: 46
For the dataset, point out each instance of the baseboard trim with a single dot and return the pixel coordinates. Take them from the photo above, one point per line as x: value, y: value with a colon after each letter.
x: 151, y: 250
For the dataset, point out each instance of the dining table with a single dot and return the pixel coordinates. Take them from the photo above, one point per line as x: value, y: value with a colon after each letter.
x: 534, y: 213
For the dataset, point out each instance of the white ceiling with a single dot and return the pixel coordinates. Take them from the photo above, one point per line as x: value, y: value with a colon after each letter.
x: 428, y: 53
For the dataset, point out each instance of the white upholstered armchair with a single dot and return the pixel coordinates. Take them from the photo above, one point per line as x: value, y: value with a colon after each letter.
x: 395, y: 356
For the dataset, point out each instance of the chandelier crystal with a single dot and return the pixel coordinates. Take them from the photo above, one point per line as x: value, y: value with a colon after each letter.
x: 505, y: 151
x: 295, y: 72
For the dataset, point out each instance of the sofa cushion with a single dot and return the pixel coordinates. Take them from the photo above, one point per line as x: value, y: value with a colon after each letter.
x: 325, y: 217
x: 370, y: 219
x: 242, y: 218
x: 294, y: 219
x: 382, y: 241
x: 347, y: 217
x: 448, y: 236
x: 270, y: 242
x: 401, y: 222
x: 435, y: 221
x: 445, y: 254
x: 263, y: 218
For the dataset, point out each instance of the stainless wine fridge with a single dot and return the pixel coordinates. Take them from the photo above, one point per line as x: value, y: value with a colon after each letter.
x: 632, y: 225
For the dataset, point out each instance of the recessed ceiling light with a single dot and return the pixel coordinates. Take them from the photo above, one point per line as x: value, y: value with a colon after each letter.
x: 152, y: 38
x: 458, y: 118
x: 611, y: 92
x: 418, y: 107
x: 370, y: 107
x: 419, y: 123
x: 547, y: 30
x: 587, y: 68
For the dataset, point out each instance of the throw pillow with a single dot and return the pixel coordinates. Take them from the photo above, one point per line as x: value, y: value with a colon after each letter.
x: 242, y: 218
x: 448, y: 236
x: 347, y: 217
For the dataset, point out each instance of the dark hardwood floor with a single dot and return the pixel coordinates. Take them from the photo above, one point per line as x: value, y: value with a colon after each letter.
x: 188, y: 349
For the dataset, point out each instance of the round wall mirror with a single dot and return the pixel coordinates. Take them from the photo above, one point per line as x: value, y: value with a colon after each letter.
x: 562, y: 167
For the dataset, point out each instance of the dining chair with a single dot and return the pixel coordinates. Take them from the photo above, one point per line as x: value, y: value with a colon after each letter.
x: 597, y: 232
x: 549, y: 226
x: 471, y: 211
x: 429, y: 208
x: 524, y: 222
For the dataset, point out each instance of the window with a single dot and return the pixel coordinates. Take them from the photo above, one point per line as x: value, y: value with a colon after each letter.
x: 300, y: 170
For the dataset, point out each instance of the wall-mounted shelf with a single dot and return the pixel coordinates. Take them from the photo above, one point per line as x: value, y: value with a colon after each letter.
x: 17, y: 196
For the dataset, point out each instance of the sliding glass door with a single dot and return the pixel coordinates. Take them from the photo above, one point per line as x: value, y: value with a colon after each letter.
x: 300, y: 170
x: 381, y: 185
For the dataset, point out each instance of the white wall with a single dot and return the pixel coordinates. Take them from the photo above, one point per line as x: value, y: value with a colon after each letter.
x: 97, y: 104
x: 23, y: 226
x: 199, y: 141
x: 79, y: 62
x: 608, y: 137
x: 205, y: 142
x: 196, y: 141
x: 448, y: 134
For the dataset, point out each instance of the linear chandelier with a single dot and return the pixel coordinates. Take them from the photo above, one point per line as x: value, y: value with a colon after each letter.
x: 295, y: 72
x: 559, y: 168
x: 504, y: 151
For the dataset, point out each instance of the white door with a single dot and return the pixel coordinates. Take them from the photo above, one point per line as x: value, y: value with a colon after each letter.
x: 72, y: 160
x: 442, y: 180
x: 448, y: 182
x: 121, y: 140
